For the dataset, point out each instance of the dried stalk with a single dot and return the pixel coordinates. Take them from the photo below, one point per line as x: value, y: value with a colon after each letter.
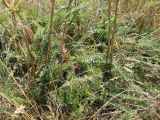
x: 50, y: 32
x: 62, y: 48
x: 111, y: 32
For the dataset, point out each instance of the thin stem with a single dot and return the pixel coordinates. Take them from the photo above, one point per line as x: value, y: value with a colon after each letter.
x: 62, y: 47
x: 109, y: 30
x: 50, y: 33
x: 111, y: 33
x: 114, y: 30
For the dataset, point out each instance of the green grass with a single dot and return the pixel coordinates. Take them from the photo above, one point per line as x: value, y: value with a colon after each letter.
x: 72, y: 80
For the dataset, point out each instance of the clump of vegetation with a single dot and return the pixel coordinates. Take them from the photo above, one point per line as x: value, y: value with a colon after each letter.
x: 79, y: 60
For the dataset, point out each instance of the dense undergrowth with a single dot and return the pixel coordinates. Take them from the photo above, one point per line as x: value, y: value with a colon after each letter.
x: 79, y: 59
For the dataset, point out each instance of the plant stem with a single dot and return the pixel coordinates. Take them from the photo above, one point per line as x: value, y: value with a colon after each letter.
x: 114, y: 30
x: 50, y: 33
x: 111, y: 32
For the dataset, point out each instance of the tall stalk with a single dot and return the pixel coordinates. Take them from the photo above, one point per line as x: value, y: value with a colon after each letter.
x: 111, y: 32
x: 62, y: 48
x: 50, y: 32
x: 114, y: 30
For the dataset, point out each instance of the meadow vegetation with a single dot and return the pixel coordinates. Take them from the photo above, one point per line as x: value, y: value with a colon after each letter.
x: 79, y: 60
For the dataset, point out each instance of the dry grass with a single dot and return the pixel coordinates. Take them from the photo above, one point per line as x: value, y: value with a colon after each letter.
x: 52, y: 40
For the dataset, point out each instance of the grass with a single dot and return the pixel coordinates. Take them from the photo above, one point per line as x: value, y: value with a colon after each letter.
x: 80, y: 60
